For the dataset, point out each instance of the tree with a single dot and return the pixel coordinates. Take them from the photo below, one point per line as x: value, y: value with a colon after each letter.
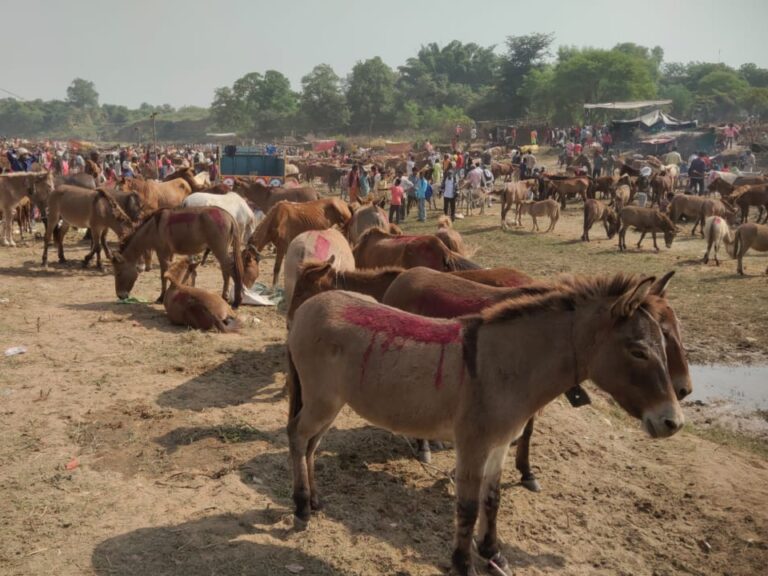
x: 82, y: 94
x: 682, y: 99
x: 524, y: 53
x: 323, y: 106
x: 757, y: 77
x: 371, y: 95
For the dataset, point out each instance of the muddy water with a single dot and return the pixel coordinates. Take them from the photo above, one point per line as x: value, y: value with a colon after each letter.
x: 744, y: 386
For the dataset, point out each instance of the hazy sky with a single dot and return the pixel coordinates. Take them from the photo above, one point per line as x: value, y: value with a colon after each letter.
x: 178, y: 52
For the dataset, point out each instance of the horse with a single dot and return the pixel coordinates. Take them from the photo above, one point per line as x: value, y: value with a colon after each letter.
x: 753, y: 195
x: 157, y: 195
x: 563, y: 188
x: 233, y: 203
x: 84, y: 208
x: 716, y: 231
x: 377, y: 249
x: 186, y: 305
x: 14, y: 187
x: 264, y: 197
x: 515, y: 193
x: 548, y: 207
x: 476, y: 381
x: 370, y: 216
x: 450, y: 237
x: 286, y: 220
x: 749, y: 235
x: 315, y: 245
x: 645, y: 220
x: 180, y: 231
x: 596, y: 211
x: 427, y: 293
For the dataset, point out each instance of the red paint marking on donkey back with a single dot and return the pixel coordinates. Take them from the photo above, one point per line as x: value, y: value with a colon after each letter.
x: 181, y: 218
x: 398, y: 327
x: 322, y: 247
x: 217, y: 216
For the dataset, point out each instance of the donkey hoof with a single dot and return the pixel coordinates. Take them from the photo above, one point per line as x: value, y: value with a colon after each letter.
x: 424, y: 457
x: 531, y: 483
x: 497, y: 564
x: 315, y: 504
x: 300, y: 524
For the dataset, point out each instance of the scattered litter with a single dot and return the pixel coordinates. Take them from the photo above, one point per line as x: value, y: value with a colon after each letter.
x: 14, y: 350
x: 4, y: 300
x: 260, y: 295
x: 72, y: 464
x: 294, y: 568
x: 131, y: 300
x: 705, y: 546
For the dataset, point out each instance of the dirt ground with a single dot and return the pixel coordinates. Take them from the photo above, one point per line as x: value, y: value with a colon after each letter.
x: 131, y: 447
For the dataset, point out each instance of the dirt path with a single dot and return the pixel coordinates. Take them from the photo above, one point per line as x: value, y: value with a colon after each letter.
x: 134, y: 448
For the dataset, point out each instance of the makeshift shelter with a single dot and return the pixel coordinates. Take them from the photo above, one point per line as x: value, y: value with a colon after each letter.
x: 653, y: 121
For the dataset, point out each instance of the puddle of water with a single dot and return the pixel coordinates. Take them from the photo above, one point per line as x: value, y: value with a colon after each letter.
x: 744, y: 386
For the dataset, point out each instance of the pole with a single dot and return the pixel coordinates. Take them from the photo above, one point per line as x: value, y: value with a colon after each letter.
x: 154, y: 146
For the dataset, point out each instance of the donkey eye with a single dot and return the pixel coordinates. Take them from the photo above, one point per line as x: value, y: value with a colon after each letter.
x: 640, y: 354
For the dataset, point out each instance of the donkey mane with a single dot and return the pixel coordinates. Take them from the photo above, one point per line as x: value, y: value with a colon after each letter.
x: 117, y: 211
x: 361, y: 272
x: 127, y: 240
x: 564, y: 295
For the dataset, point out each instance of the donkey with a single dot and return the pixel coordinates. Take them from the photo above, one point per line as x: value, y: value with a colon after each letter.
x: 181, y: 231
x: 14, y: 187
x: 84, y: 208
x: 716, y: 232
x: 749, y: 235
x: 463, y: 380
x: 186, y: 305
x: 596, y: 211
x: 645, y: 220
x: 548, y: 207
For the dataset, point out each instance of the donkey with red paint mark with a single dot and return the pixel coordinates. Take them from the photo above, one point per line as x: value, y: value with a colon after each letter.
x: 377, y: 249
x: 432, y: 294
x: 475, y: 381
x: 185, y: 231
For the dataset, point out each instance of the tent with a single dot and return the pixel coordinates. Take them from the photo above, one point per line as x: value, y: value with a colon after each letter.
x: 653, y: 121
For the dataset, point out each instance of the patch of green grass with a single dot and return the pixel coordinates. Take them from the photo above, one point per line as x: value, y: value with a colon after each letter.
x: 726, y: 437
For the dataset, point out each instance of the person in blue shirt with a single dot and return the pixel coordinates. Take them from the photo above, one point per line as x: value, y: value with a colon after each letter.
x: 696, y: 172
x: 420, y: 192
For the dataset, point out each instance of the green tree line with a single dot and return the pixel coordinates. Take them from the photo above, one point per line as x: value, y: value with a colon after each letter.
x: 524, y: 80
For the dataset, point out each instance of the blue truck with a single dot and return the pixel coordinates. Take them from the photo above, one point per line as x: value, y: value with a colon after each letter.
x: 265, y: 164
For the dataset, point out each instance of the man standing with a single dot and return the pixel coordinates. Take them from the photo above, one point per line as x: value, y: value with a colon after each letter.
x: 420, y: 190
x: 448, y: 188
x: 673, y: 157
x: 696, y: 172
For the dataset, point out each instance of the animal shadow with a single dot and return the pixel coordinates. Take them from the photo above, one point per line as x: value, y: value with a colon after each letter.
x: 211, y: 545
x: 240, y: 379
x: 149, y: 316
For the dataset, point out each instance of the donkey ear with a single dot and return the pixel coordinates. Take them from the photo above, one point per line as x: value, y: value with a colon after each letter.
x: 659, y: 287
x: 117, y: 258
x: 331, y: 259
x: 631, y: 300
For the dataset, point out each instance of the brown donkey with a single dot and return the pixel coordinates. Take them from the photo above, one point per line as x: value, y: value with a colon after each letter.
x: 84, y: 208
x: 749, y: 235
x: 185, y: 231
x: 186, y: 305
x: 463, y: 380
x: 595, y: 211
x: 427, y: 293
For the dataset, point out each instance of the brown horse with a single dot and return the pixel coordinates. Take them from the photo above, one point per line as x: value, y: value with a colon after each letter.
x: 265, y: 197
x: 156, y: 195
x: 378, y: 249
x: 186, y: 305
x: 476, y: 381
x: 596, y: 211
x: 84, y: 208
x: 749, y: 235
x: 185, y: 231
x: 286, y: 220
x: 427, y: 293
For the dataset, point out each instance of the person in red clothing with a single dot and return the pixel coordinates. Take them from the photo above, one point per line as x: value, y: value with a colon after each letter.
x: 395, y: 201
x: 459, y: 161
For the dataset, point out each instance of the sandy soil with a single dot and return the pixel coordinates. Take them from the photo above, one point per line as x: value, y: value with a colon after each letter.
x: 131, y: 447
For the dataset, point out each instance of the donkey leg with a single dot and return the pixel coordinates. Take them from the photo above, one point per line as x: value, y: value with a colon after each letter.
x: 63, y: 229
x: 522, y: 461
x: 423, y: 452
x: 655, y: 246
x: 470, y: 464
x: 642, y: 237
x: 278, y: 263
x: 314, y: 495
x: 490, y: 497
x: 107, y: 251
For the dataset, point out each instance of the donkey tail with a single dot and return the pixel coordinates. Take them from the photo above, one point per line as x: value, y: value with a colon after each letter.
x: 294, y: 389
x: 736, y: 244
x: 237, y: 269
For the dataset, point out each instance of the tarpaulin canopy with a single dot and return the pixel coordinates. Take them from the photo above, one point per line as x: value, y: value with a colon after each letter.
x: 323, y: 145
x: 633, y: 105
x: 654, y: 120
